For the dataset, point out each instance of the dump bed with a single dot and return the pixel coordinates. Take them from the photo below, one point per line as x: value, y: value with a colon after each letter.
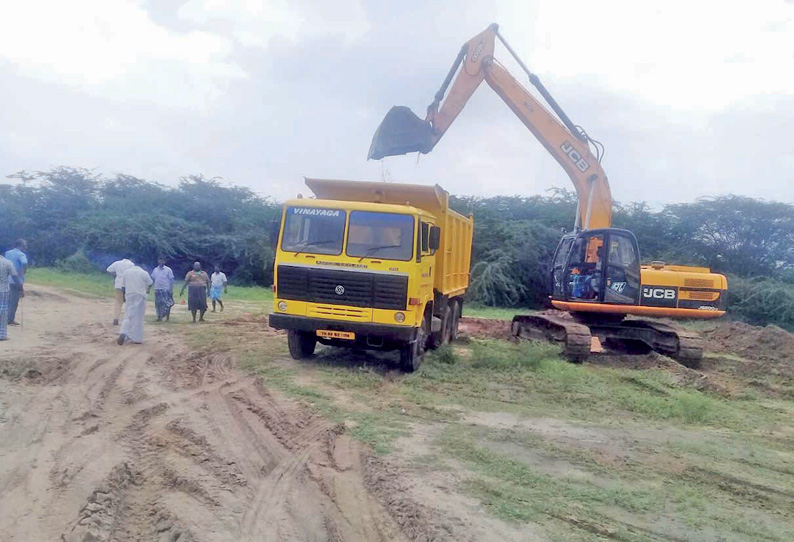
x: 453, y: 258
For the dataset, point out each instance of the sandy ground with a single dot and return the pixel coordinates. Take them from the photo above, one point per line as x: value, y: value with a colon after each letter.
x: 153, y: 442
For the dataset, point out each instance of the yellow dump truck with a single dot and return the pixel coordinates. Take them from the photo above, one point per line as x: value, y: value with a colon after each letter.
x: 373, y: 265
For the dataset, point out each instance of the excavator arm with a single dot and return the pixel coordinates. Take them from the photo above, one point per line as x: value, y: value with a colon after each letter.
x: 402, y: 131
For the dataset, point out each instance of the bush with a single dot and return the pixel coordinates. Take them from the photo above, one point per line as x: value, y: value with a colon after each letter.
x: 761, y: 301
x: 77, y: 262
x: 445, y: 354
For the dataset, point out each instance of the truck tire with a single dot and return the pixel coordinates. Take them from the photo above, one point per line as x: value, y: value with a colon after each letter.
x: 447, y: 323
x: 301, y: 344
x: 457, y: 310
x: 412, y: 354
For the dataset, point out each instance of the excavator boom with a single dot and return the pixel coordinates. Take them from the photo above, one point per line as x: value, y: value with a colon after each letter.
x: 596, y: 272
x: 402, y: 131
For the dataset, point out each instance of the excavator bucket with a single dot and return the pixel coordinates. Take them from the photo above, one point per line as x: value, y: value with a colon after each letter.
x: 401, y: 132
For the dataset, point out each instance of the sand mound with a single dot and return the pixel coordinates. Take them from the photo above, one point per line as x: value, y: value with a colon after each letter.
x: 751, y: 342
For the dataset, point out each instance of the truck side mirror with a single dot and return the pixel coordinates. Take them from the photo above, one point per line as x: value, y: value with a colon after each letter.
x: 273, y: 233
x: 435, y: 237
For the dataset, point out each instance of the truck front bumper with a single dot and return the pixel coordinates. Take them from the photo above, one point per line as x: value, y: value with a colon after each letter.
x: 361, y: 329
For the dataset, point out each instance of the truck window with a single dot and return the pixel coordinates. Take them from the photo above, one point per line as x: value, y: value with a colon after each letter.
x: 386, y: 236
x: 425, y: 237
x: 314, y: 230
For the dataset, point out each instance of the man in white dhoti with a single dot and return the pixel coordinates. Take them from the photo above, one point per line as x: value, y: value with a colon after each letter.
x: 137, y: 284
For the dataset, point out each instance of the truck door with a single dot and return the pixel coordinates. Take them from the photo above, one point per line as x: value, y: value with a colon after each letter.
x: 424, y: 254
x: 622, y: 273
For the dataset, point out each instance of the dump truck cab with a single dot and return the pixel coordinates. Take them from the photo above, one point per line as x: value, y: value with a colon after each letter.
x: 355, y: 268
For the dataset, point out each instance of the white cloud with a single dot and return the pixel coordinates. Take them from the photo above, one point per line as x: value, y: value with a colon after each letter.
x: 113, y: 48
x: 677, y: 53
x: 256, y: 22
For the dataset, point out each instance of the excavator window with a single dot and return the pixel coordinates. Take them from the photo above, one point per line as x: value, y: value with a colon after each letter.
x: 622, y: 270
x: 558, y: 268
x: 585, y: 268
x: 602, y: 266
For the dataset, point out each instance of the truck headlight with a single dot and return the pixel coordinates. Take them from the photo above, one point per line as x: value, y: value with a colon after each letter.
x: 282, y: 306
x: 399, y: 317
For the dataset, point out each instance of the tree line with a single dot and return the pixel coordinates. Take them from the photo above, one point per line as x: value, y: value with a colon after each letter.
x: 77, y: 219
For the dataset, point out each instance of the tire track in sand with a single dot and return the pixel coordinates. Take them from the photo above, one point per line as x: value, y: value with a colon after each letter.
x: 155, y: 442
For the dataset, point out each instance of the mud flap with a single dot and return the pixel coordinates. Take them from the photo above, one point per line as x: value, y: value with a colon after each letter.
x: 401, y: 132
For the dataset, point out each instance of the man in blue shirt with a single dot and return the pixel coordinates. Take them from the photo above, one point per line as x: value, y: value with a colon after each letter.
x: 16, y: 283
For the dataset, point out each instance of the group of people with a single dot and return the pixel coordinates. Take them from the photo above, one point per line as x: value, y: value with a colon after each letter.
x: 133, y: 284
x: 13, y: 265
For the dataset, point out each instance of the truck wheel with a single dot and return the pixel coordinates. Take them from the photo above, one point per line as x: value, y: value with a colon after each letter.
x: 301, y: 343
x: 447, y: 323
x: 412, y: 354
x: 457, y: 309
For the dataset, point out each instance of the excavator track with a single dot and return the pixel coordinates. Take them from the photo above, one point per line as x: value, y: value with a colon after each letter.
x: 683, y: 346
x: 690, y: 350
x: 574, y: 337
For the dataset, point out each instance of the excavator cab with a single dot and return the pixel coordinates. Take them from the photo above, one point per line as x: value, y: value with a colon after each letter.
x: 597, y: 266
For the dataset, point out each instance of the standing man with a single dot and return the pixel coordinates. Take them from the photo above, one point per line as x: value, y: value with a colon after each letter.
x: 16, y: 284
x: 163, y: 290
x: 136, y: 283
x: 7, y: 272
x: 198, y: 284
x: 217, y: 282
x: 117, y: 269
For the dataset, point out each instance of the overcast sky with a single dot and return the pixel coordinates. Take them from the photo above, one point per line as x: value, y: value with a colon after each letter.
x: 690, y: 98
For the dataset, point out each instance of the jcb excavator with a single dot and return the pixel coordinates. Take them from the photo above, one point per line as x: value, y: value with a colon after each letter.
x: 596, y: 274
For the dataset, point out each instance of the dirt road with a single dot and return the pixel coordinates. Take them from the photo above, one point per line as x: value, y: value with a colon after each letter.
x: 153, y: 442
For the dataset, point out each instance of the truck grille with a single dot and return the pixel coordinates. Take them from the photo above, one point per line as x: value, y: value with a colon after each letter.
x: 358, y: 289
x: 336, y: 311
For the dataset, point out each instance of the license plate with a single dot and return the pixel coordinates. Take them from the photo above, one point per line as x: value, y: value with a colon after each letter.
x: 330, y: 334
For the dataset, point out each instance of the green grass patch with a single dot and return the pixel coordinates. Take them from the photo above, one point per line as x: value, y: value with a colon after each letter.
x: 530, y: 378
x: 359, y: 378
x: 498, y: 313
x: 515, y: 487
x: 101, y: 285
x: 501, y: 355
x: 253, y: 294
x: 444, y: 354
x: 514, y: 490
x: 94, y: 284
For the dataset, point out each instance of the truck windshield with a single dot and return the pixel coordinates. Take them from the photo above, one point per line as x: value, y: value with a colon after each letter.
x: 386, y: 236
x: 313, y: 229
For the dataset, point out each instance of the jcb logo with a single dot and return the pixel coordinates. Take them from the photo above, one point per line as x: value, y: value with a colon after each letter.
x: 658, y: 293
x: 580, y: 163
